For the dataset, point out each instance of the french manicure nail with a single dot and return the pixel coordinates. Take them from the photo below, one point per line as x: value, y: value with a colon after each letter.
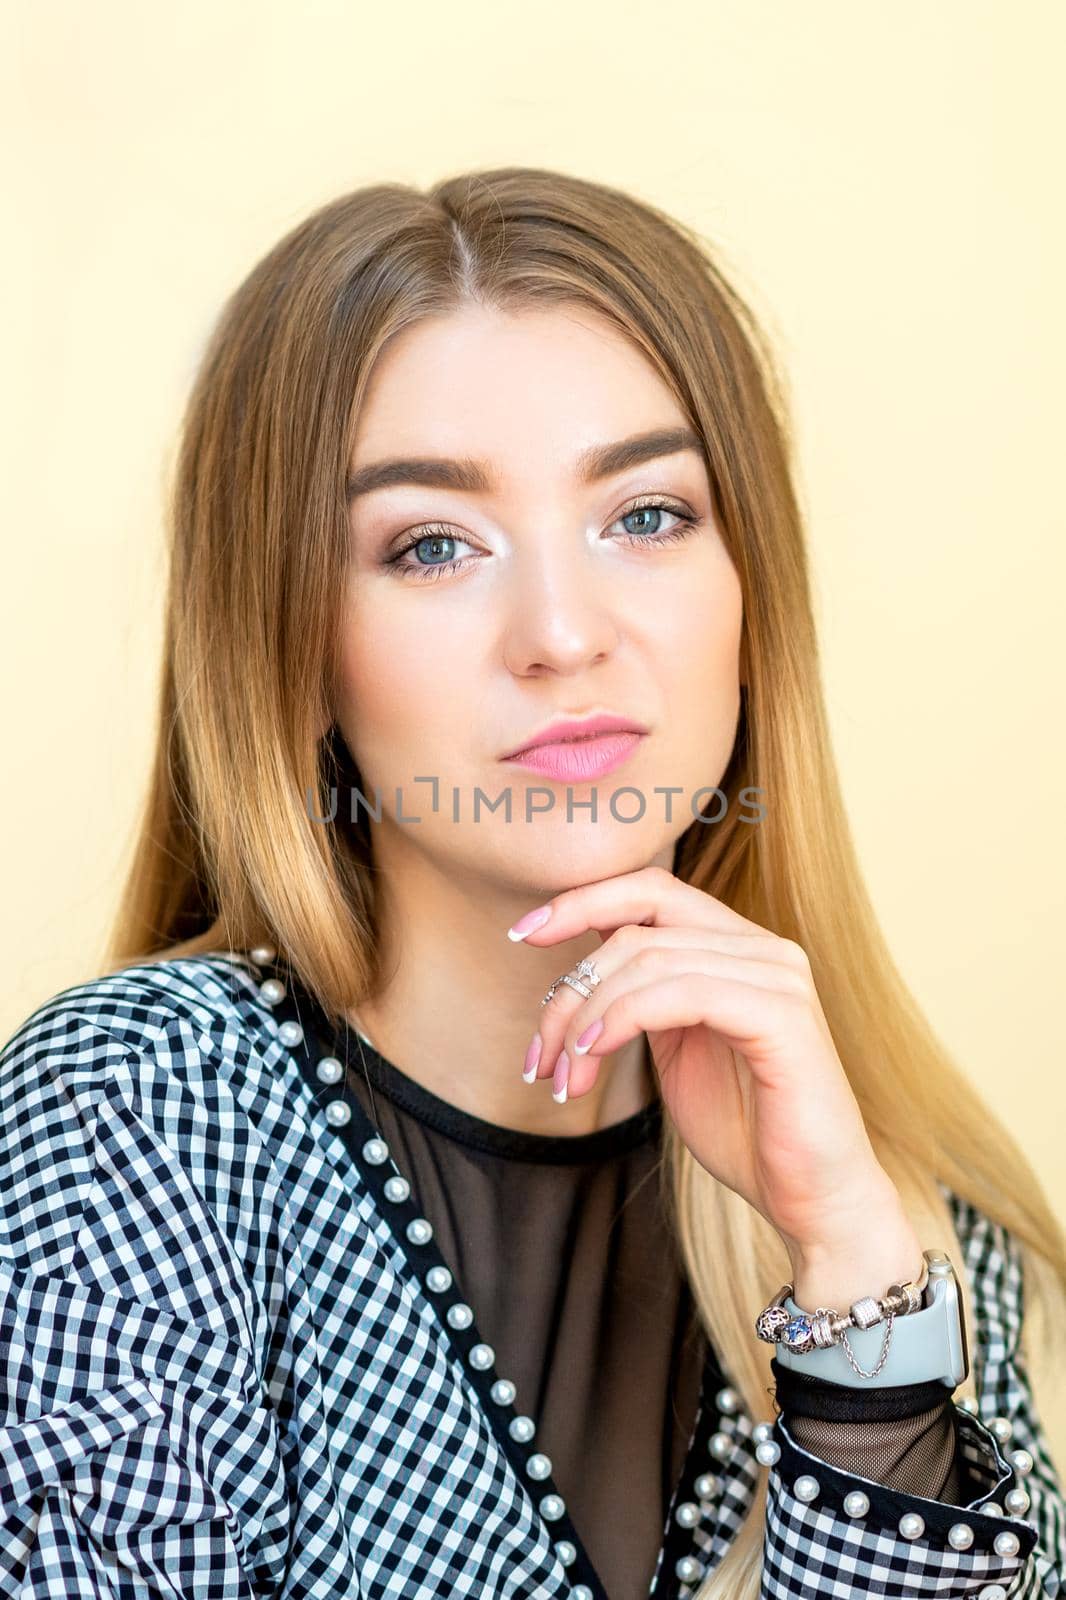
x: 529, y: 1071
x: 588, y: 1037
x: 528, y: 923
x: 560, y: 1078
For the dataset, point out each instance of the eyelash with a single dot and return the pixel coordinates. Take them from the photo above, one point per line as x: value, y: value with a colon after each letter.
x: 439, y: 530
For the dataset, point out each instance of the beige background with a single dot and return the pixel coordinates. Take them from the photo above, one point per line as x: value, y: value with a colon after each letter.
x: 882, y: 182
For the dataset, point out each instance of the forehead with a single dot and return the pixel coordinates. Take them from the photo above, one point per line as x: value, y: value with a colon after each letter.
x: 509, y: 387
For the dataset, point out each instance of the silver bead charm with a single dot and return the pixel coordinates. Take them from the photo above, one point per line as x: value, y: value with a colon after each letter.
x: 856, y: 1504
x: 459, y: 1315
x: 503, y: 1392
x: 419, y: 1231
x: 272, y: 990
x: 290, y: 1033
x: 482, y: 1356
x: 375, y: 1150
x: 551, y: 1509
x: 687, y: 1515
x: 539, y: 1466
x: 1016, y: 1502
x: 338, y: 1113
x: 727, y: 1401
x: 329, y: 1070
x: 705, y: 1485
x: 1006, y: 1543
x: 439, y: 1279
x: 768, y: 1453
x: 960, y: 1536
x: 522, y: 1429
x: 911, y: 1525
x: 397, y: 1188
x: 689, y: 1570
x: 806, y: 1488
x: 1022, y: 1460
x: 721, y: 1446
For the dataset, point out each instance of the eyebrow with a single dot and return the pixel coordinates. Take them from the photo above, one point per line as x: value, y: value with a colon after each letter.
x: 474, y: 477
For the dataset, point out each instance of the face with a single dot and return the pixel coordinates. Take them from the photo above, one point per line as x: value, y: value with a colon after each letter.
x: 549, y: 581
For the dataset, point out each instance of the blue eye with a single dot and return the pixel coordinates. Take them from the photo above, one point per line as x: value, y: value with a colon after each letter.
x: 438, y: 544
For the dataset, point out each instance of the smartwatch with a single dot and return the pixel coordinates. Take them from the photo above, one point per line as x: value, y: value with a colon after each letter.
x: 926, y: 1344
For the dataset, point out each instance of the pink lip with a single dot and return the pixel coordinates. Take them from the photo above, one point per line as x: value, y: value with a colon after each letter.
x: 575, y: 760
x: 568, y: 728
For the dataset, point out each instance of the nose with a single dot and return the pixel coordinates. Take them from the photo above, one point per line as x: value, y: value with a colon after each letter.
x: 560, y: 616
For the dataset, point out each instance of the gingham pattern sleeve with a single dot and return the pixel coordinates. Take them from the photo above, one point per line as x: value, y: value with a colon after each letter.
x: 830, y: 1533
x: 137, y: 1453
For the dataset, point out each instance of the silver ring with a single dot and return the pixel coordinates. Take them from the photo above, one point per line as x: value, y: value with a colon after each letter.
x: 585, y: 969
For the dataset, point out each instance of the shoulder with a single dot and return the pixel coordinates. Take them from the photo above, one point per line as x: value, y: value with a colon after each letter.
x: 185, y: 1020
x: 138, y: 1114
x: 135, y: 1006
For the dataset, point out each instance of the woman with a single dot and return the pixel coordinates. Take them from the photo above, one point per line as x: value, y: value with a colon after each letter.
x: 488, y: 613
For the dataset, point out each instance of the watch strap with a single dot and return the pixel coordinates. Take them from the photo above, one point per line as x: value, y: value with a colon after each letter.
x: 926, y: 1345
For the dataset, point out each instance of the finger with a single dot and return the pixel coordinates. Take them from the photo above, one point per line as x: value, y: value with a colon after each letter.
x: 748, y: 1016
x: 657, y: 967
x: 619, y: 952
x: 651, y: 895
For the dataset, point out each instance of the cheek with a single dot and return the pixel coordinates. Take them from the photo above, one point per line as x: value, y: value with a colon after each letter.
x: 698, y: 632
x: 400, y: 674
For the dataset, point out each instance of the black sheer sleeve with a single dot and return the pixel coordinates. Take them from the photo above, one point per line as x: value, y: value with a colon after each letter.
x: 902, y: 1437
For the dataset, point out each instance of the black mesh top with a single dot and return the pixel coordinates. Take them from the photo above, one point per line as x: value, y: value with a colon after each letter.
x: 563, y: 1250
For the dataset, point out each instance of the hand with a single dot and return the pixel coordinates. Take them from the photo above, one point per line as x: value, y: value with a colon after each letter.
x: 747, y: 1069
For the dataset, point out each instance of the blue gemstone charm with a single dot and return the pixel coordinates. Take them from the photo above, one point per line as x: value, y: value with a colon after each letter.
x: 796, y: 1332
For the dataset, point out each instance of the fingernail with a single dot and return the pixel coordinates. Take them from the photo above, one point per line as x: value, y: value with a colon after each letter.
x: 531, y: 920
x: 560, y: 1078
x: 529, y: 1071
x: 590, y: 1035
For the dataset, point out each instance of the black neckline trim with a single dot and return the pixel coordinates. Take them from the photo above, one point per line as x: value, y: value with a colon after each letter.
x: 362, y: 1059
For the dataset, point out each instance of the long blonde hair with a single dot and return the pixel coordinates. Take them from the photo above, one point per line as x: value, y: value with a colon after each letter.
x: 258, y: 552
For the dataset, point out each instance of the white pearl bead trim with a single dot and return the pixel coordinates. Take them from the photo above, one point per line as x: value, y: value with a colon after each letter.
x: 330, y: 1070
x: 806, y: 1488
x: 856, y: 1504
x: 911, y: 1525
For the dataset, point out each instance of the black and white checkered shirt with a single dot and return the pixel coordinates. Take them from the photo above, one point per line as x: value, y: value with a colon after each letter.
x: 234, y: 1365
